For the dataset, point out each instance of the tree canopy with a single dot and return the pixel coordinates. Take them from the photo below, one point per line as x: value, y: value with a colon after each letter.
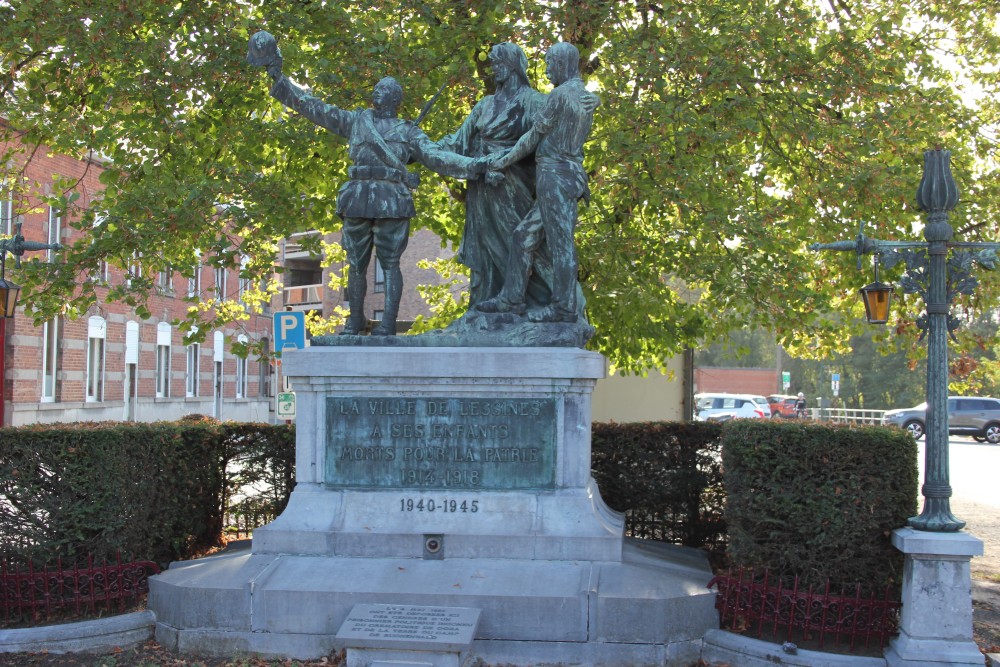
x: 732, y: 134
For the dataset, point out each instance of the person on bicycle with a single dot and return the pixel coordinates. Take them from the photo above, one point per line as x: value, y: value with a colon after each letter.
x: 800, y: 406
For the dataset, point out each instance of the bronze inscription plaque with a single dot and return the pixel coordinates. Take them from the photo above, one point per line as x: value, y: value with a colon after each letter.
x: 440, y: 443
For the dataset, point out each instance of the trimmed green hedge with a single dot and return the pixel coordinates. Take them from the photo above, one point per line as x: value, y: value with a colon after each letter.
x: 667, y: 479
x: 811, y: 500
x: 818, y: 501
x: 155, y: 491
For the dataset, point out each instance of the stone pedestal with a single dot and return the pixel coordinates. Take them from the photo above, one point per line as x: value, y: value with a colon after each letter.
x: 936, y: 619
x: 450, y: 477
x: 485, y: 450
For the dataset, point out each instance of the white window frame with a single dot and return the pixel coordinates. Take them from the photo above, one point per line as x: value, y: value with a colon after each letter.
x: 6, y: 210
x: 101, y: 274
x: 194, y: 284
x: 54, y: 231
x: 163, y: 338
x: 50, y: 361
x: 379, y: 277
x: 97, y: 329
x: 243, y: 283
x: 242, y: 378
x: 192, y: 381
x: 221, y: 282
x: 264, y: 371
x: 134, y: 270
x: 165, y: 281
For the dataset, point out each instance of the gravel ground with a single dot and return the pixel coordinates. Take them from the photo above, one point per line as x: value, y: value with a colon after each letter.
x: 983, y: 521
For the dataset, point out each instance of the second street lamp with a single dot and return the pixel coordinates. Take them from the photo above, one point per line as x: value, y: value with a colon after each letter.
x: 931, y: 275
x: 9, y: 292
x: 8, y: 296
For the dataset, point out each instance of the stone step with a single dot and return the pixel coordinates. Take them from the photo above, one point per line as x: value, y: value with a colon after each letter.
x: 651, y: 605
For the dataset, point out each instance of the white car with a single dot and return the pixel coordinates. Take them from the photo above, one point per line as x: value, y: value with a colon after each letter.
x: 723, y: 407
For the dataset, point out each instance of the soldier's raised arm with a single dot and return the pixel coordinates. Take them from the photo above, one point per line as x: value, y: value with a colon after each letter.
x: 263, y: 52
x: 442, y: 161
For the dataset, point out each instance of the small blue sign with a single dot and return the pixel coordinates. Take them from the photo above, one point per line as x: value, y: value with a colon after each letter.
x: 289, y: 330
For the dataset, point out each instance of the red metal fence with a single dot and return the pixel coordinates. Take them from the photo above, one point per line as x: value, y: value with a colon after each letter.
x: 753, y: 604
x: 30, y: 594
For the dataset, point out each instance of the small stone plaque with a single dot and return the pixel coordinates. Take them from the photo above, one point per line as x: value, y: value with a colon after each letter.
x: 410, y: 627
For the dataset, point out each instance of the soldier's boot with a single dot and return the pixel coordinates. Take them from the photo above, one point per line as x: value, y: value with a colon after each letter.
x: 552, y: 313
x: 563, y: 305
x: 393, y: 294
x: 357, y: 285
x: 499, y: 304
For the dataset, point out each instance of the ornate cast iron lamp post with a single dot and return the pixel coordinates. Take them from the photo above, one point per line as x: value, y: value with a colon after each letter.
x: 9, y: 292
x: 935, y: 276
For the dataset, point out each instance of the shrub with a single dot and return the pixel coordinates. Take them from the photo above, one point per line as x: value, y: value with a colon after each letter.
x: 154, y: 491
x: 818, y: 501
x: 666, y: 477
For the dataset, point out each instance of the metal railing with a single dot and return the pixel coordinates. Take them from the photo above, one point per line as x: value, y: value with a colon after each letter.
x: 30, y: 594
x: 293, y: 247
x: 847, y: 415
x: 304, y: 295
x: 758, y: 606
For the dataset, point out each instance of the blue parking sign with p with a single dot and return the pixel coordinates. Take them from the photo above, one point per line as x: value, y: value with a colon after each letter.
x: 289, y: 330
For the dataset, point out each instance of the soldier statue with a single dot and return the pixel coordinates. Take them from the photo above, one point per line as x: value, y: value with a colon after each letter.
x: 375, y: 204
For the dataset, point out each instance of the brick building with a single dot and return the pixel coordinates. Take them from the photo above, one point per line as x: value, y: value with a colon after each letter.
x: 112, y: 365
x: 109, y: 364
x: 761, y: 381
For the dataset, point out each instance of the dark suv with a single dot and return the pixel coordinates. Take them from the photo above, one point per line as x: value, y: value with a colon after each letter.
x: 978, y: 417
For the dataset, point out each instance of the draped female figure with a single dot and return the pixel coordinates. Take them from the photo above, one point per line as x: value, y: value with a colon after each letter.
x: 492, y: 212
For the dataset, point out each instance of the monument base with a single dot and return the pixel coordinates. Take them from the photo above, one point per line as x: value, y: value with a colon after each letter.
x: 572, y: 524
x: 650, y: 608
x: 445, y: 477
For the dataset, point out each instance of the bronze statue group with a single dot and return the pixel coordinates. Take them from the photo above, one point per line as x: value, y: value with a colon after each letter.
x: 521, y: 153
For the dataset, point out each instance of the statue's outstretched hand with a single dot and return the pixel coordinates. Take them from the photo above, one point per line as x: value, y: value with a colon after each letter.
x: 498, y: 160
x: 494, y: 178
x: 263, y: 51
x: 274, y: 69
x: 481, y: 164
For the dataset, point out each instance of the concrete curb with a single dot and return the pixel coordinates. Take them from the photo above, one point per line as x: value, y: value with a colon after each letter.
x: 729, y: 648
x: 97, y: 636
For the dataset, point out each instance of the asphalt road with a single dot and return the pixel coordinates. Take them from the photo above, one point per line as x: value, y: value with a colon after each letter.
x: 974, y: 469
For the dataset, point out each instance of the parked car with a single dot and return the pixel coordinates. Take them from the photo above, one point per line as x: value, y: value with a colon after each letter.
x: 978, y: 417
x: 723, y: 407
x: 781, y: 405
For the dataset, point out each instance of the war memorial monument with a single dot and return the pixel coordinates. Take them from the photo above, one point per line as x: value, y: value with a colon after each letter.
x: 444, y: 509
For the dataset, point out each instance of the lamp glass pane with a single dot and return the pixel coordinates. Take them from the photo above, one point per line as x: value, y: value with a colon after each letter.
x: 8, y: 298
x: 877, y: 298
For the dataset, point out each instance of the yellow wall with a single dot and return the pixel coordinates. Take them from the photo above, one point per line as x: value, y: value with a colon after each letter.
x: 657, y: 397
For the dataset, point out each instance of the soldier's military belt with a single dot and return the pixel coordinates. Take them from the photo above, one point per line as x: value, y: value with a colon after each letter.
x: 365, y: 173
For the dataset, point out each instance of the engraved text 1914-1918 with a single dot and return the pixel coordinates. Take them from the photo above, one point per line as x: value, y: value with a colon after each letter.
x: 441, y: 443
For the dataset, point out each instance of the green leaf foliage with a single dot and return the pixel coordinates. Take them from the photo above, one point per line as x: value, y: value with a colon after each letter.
x: 732, y: 133
x: 818, y: 502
